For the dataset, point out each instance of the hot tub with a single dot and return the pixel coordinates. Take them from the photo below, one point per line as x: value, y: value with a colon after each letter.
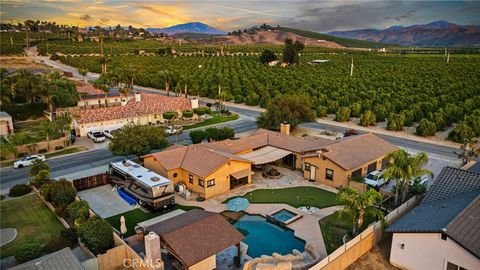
x: 284, y: 216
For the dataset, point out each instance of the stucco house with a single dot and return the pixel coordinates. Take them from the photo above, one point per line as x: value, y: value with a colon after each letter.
x: 140, y: 108
x: 443, y: 231
x: 6, y: 124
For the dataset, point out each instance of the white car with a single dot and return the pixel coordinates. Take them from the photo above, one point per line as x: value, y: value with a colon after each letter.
x: 172, y: 130
x: 109, y: 133
x: 96, y: 136
x: 375, y: 179
x: 28, y: 160
x: 423, y: 180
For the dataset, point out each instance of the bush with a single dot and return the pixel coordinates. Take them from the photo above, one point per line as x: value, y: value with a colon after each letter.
x: 267, y: 56
x: 200, y: 111
x: 37, y: 166
x: 42, y: 178
x: 342, y: 115
x: 395, y: 121
x: 350, y: 132
x: 96, y: 234
x: 19, y: 190
x: 46, y: 191
x: 368, y: 119
x: 219, y: 134
x: 61, y: 211
x: 63, y: 193
x: 70, y: 235
x: 187, y: 113
x: 461, y: 133
x: 208, y: 110
x: 78, y: 210
x: 43, y: 150
x: 58, y: 147
x: 54, y: 57
x: 426, y: 128
x: 55, y: 244
x: 197, y: 136
x: 27, y: 252
x: 170, y: 115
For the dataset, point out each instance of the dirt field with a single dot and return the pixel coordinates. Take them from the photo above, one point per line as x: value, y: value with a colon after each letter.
x: 377, y: 258
x: 21, y: 62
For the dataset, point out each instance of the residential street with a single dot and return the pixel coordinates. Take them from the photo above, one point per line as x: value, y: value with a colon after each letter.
x: 89, y: 159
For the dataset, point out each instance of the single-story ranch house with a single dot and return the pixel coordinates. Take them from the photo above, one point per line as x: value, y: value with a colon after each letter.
x: 212, y: 169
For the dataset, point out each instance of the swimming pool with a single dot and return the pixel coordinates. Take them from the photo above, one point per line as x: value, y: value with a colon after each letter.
x: 265, y: 238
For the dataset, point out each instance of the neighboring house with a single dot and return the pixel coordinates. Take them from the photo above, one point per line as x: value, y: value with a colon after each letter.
x: 473, y: 166
x: 349, y: 158
x: 193, y: 239
x: 60, y: 260
x: 205, y: 171
x: 443, y: 231
x: 141, y: 108
x: 6, y: 124
x: 91, y: 97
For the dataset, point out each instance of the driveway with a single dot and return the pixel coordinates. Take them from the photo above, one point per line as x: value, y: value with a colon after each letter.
x: 104, y: 201
x: 89, y: 144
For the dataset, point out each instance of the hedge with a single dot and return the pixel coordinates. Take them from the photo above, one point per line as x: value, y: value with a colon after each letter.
x: 170, y: 115
x: 19, y: 190
x: 21, y: 112
x: 187, y: 113
x: 62, y: 193
x: 27, y: 252
x: 96, y: 234
x: 78, y: 210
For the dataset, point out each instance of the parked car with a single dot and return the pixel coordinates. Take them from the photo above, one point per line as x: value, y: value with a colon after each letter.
x: 96, y: 136
x: 109, y: 133
x: 28, y: 160
x: 375, y: 179
x: 172, y: 130
x: 423, y: 180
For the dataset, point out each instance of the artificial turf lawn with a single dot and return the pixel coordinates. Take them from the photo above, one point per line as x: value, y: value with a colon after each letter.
x: 294, y: 196
x: 32, y: 219
x: 135, y: 216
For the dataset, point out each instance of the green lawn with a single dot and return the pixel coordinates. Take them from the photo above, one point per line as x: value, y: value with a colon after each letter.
x: 216, y: 119
x: 136, y: 215
x: 32, y: 219
x: 334, y: 227
x: 33, y: 131
x: 295, y: 196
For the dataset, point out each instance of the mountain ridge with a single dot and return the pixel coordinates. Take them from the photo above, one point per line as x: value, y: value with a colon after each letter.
x: 190, y: 27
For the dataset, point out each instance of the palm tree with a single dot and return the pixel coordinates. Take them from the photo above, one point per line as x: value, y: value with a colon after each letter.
x: 358, y: 205
x: 402, y: 167
x: 27, y: 84
x: 166, y: 76
x: 48, y: 128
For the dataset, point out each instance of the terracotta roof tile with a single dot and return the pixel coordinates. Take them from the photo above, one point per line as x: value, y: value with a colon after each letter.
x: 88, y: 89
x: 357, y: 150
x: 148, y: 104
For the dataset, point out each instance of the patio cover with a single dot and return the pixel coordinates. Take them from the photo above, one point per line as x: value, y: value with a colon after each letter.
x: 242, y: 173
x: 265, y: 155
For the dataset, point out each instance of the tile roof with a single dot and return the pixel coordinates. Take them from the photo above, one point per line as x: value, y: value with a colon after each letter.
x: 88, y: 89
x: 196, y: 159
x: 60, y: 260
x: 196, y: 235
x: 263, y: 137
x: 357, y: 150
x: 148, y: 104
x: 451, y: 206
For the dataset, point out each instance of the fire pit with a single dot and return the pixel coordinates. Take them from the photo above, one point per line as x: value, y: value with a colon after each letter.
x: 272, y: 174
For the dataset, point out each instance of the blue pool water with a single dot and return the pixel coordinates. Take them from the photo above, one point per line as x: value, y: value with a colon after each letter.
x: 265, y: 238
x: 283, y: 215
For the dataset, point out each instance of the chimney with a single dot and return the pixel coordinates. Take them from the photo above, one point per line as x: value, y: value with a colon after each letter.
x: 285, y: 128
x: 138, y: 97
x: 194, y: 103
x: 153, y: 255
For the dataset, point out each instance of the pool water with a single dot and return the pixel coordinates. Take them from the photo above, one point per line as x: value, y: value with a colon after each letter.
x: 283, y: 215
x: 265, y: 238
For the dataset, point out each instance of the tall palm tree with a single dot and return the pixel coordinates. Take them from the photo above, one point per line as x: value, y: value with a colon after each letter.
x: 27, y: 84
x: 359, y: 205
x: 48, y: 128
x: 167, y: 77
x: 402, y: 167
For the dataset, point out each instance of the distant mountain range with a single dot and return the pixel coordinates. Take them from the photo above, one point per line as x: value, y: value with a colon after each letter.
x: 439, y: 33
x: 191, y: 27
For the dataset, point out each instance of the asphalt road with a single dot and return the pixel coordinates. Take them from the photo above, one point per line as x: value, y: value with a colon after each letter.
x: 94, y: 158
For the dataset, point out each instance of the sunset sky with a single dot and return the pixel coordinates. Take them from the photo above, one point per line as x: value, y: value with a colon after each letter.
x: 318, y: 16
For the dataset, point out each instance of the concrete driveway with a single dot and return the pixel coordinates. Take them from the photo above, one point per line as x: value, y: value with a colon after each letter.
x: 89, y: 144
x: 104, y: 201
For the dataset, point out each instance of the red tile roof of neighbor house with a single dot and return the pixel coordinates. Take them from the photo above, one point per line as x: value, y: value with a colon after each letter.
x: 196, y: 159
x: 88, y: 89
x: 196, y: 235
x: 148, y: 104
x: 357, y: 150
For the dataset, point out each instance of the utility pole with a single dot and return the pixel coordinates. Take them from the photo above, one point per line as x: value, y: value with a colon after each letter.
x: 448, y: 57
x: 351, y: 69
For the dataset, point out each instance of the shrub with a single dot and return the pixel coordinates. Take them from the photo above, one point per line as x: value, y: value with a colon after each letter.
x: 395, y: 121
x: 42, y: 178
x: 426, y: 128
x: 70, y: 235
x: 54, y: 57
x: 58, y: 147
x: 46, y: 191
x: 200, y: 111
x: 19, y: 190
x: 322, y: 111
x: 368, y: 119
x: 197, y: 136
x: 350, y: 132
x: 170, y: 115
x: 27, y: 252
x: 55, y: 244
x: 208, y: 110
x: 267, y: 56
x: 61, y: 211
x: 461, y: 133
x: 63, y: 193
x: 37, y: 166
x: 78, y: 210
x: 187, y: 113
x: 96, y: 234
x: 43, y: 150
x: 343, y: 114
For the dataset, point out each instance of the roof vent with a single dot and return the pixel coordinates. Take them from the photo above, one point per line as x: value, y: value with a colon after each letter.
x: 139, y: 176
x: 155, y: 179
x: 136, y: 166
x: 444, y: 206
